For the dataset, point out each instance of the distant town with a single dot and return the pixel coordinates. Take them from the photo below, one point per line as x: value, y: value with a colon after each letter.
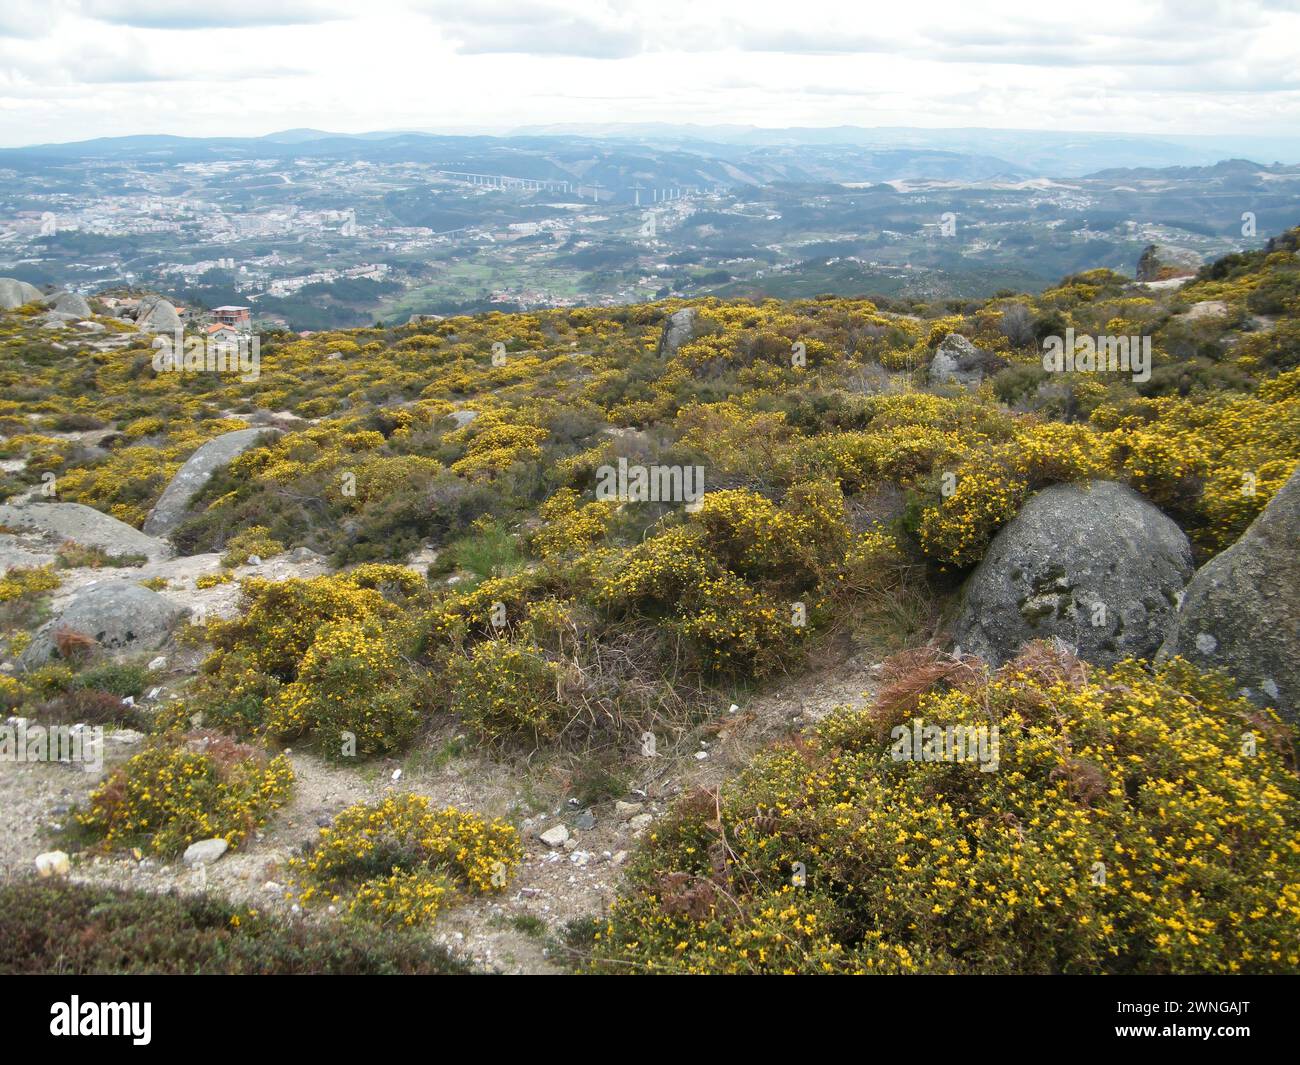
x: 307, y: 240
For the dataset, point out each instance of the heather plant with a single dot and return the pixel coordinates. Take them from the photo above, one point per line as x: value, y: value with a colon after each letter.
x: 58, y: 926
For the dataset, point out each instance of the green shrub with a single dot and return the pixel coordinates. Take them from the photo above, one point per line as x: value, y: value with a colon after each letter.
x: 55, y: 926
x: 117, y: 678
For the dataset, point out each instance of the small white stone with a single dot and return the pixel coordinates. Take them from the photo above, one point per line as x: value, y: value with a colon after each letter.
x: 700, y: 756
x: 1206, y: 644
x: 580, y: 858
x: 205, y: 851
x: 397, y: 775
x: 158, y: 663
x: 52, y: 863
x: 555, y: 837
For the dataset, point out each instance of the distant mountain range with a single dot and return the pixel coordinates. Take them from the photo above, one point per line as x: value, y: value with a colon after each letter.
x: 708, y: 154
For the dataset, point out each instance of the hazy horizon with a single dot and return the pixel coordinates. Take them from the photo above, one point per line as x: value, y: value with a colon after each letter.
x: 79, y: 69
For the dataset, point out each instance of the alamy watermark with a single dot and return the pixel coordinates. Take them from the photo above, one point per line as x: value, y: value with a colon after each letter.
x: 235, y: 354
x: 1089, y: 354
x: 80, y: 744
x: 919, y: 742
x: 650, y: 484
x: 131, y: 1019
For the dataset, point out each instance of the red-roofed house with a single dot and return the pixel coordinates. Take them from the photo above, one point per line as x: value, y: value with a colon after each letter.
x: 238, y: 317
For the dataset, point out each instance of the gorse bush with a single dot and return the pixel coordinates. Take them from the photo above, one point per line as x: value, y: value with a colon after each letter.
x: 248, y: 543
x: 184, y: 788
x: 504, y: 691
x: 22, y: 583
x: 320, y: 658
x: 1136, y: 821
x: 353, y: 692
x: 401, y: 861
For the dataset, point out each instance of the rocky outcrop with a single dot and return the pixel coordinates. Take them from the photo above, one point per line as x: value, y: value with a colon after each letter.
x: 1241, y: 612
x: 1094, y: 565
x: 155, y: 315
x: 958, y: 361
x: 14, y: 293
x: 679, y: 328
x: 173, y: 504
x: 70, y: 303
x: 1161, y: 262
x: 116, y: 615
x: 83, y: 525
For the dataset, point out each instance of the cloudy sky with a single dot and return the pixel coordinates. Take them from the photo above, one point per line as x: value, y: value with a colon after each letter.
x: 72, y: 69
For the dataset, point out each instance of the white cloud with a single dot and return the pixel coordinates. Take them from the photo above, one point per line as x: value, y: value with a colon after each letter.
x: 81, y: 68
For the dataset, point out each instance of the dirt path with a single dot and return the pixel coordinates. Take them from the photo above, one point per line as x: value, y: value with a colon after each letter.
x: 507, y: 933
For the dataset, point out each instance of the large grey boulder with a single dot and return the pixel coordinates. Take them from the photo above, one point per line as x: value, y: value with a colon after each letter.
x: 83, y: 525
x: 1094, y: 565
x: 70, y: 303
x: 14, y: 293
x: 958, y: 361
x: 173, y: 504
x: 679, y: 329
x: 1161, y: 262
x: 155, y: 315
x: 117, y: 615
x: 1241, y: 612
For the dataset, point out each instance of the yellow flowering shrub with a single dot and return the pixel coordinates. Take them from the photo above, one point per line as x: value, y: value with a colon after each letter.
x: 752, y: 536
x: 1136, y: 821
x: 503, y: 690
x: 353, y: 692
x: 279, y: 619
x: 255, y: 540
x: 889, y: 454
x: 27, y: 583
x: 403, y: 861
x: 320, y: 656
x: 493, y: 444
x: 568, y: 528
x: 654, y: 575
x: 181, y: 789
x: 739, y: 628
